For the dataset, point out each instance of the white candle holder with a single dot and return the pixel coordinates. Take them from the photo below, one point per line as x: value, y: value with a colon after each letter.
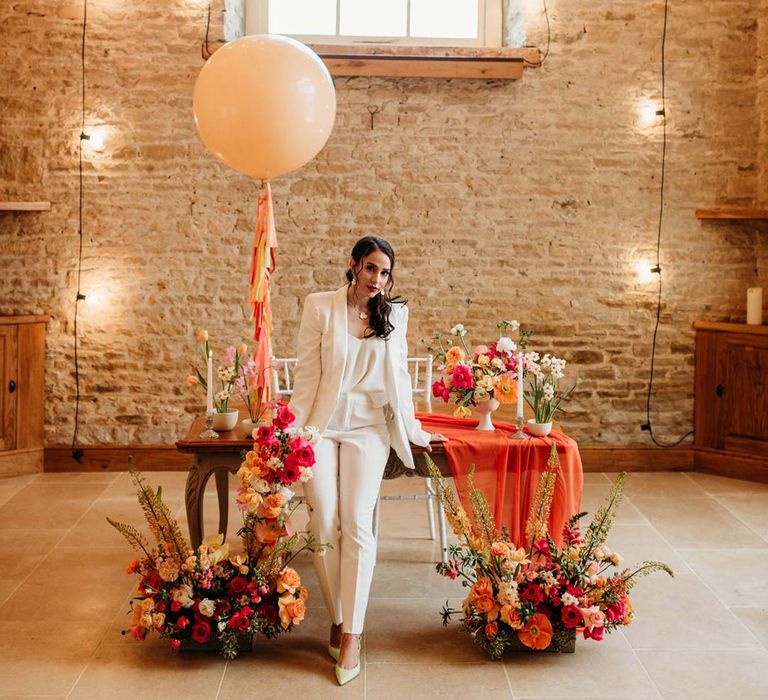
x: 519, y: 434
x: 209, y: 433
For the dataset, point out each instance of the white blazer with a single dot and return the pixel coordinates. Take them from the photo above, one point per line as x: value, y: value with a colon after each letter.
x: 322, y: 356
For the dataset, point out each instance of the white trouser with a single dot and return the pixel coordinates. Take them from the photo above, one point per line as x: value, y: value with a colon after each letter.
x: 342, y: 495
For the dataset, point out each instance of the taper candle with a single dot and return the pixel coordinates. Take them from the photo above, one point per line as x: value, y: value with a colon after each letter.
x: 209, y: 396
x: 519, y: 385
x: 755, y: 306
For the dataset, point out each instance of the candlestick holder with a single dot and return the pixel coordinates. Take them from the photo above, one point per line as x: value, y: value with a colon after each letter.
x: 519, y: 434
x: 209, y: 433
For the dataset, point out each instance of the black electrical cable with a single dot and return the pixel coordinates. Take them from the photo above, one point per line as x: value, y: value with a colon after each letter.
x: 663, y: 113
x: 77, y: 454
x: 205, y: 52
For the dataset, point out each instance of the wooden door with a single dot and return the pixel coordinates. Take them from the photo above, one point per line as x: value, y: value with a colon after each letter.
x: 743, y: 367
x: 8, y: 394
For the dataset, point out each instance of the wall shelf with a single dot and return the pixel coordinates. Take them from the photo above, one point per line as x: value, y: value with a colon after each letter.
x: 732, y: 214
x: 25, y: 206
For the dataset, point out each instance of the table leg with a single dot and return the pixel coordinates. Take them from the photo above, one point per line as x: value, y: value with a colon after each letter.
x: 198, y: 476
x: 222, y: 490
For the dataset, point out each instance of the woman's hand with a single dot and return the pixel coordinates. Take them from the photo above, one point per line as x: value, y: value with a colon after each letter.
x: 436, y: 437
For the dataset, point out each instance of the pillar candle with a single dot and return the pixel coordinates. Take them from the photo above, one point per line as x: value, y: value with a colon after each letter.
x: 755, y: 306
x: 520, y: 385
x: 209, y: 397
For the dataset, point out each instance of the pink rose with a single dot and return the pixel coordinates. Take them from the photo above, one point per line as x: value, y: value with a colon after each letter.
x: 596, y: 633
x: 175, y: 644
x: 201, y: 632
x: 462, y: 377
x: 265, y: 435
x: 593, y: 617
x: 283, y: 418
x: 303, y: 451
x: 440, y: 391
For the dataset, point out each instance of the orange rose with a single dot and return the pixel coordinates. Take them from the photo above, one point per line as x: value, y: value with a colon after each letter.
x: 505, y: 389
x: 537, y: 634
x: 303, y: 593
x: 273, y: 505
x: 454, y: 355
x: 491, y: 630
x: 291, y: 610
x: 483, y: 586
x: 510, y: 616
x: 500, y: 549
x: 484, y: 604
x: 288, y: 580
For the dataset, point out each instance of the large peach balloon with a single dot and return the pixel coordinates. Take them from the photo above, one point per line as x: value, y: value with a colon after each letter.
x: 264, y: 104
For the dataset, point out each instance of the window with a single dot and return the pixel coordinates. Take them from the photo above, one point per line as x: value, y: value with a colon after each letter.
x: 399, y: 22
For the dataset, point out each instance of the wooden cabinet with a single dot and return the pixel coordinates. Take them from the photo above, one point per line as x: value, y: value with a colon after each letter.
x: 731, y: 404
x: 22, y: 386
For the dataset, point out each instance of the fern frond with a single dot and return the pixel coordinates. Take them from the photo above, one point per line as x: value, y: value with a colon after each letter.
x: 134, y: 537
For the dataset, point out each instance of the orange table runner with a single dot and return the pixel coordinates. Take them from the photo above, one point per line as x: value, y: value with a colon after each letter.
x: 507, y: 471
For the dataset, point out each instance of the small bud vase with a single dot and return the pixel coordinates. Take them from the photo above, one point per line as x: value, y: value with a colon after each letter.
x: 485, y: 409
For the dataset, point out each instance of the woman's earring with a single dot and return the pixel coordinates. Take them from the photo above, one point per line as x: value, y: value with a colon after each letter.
x: 381, y: 291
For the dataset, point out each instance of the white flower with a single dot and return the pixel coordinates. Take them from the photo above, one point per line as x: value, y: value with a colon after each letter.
x: 481, y: 394
x: 507, y: 592
x: 616, y: 559
x: 223, y: 395
x: 601, y: 552
x: 498, y: 363
x: 260, y: 485
x: 549, y: 392
x: 207, y: 607
x: 310, y: 433
x: 569, y: 599
x: 513, y: 325
x: 505, y: 344
x: 273, y: 463
x: 286, y: 493
x: 458, y: 329
x: 291, y: 432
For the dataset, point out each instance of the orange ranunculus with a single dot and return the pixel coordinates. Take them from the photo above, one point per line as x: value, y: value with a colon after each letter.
x: 288, y: 580
x: 491, y: 630
x: 482, y: 586
x: 273, y: 505
x: 537, y: 634
x: 454, y: 355
x: 268, y: 531
x: 291, y: 610
x: 505, y: 389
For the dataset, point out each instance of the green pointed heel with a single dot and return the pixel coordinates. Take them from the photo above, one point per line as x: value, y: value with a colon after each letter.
x: 345, y: 675
x: 334, y: 652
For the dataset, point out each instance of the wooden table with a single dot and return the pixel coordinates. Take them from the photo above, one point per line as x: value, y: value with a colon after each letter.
x: 225, y: 454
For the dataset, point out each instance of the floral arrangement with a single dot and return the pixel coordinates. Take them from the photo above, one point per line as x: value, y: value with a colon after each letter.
x: 196, y: 597
x: 544, y: 375
x: 537, y: 596
x: 238, y: 379
x: 473, y: 376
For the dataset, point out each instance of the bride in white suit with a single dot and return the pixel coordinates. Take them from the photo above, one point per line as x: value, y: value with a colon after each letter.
x: 352, y: 384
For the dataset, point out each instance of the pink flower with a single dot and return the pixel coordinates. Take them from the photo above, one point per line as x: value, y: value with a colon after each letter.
x: 138, y: 632
x: 440, y: 391
x: 265, y: 435
x: 201, y: 632
x: 593, y: 617
x: 541, y: 546
x: 303, y: 451
x: 462, y: 377
x: 175, y: 644
x: 481, y: 350
x: 595, y: 633
x: 229, y: 355
x: 291, y: 469
x: 283, y: 417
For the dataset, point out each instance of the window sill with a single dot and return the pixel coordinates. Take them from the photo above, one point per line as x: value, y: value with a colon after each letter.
x: 387, y: 61
x: 426, y: 62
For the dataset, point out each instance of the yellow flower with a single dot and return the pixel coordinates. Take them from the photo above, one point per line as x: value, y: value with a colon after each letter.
x: 202, y: 335
x: 483, y: 360
x: 518, y: 556
x: 462, y: 412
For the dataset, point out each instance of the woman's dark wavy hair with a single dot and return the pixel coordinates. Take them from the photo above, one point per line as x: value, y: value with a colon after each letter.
x: 380, y: 306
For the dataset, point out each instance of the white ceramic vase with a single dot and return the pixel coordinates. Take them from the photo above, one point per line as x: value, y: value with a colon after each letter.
x: 484, y: 409
x: 249, y: 425
x: 225, y: 421
x: 539, y: 429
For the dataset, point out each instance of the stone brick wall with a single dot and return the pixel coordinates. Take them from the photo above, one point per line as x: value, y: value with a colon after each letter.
x: 531, y: 200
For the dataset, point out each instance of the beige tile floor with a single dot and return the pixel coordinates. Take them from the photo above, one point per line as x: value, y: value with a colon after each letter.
x: 704, y: 634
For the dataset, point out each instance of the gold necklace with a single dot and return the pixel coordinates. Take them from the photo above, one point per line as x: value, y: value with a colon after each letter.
x: 360, y: 314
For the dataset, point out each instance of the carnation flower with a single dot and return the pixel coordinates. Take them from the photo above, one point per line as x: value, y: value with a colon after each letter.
x: 505, y: 344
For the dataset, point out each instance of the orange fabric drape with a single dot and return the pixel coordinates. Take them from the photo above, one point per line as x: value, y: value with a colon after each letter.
x: 507, y: 471
x: 263, y: 265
